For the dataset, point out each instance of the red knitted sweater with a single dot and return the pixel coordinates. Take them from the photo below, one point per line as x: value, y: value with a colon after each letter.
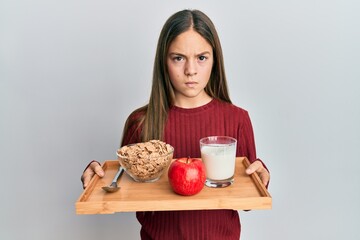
x: 184, y: 129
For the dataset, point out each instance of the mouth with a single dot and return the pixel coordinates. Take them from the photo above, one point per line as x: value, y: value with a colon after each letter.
x: 191, y: 84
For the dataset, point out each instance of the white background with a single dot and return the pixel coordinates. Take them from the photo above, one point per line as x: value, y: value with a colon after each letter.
x: 72, y: 71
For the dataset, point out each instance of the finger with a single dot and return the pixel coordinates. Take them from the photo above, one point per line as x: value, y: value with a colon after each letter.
x: 94, y: 168
x: 86, y: 178
x: 97, y: 169
x: 265, y: 177
x: 255, y: 166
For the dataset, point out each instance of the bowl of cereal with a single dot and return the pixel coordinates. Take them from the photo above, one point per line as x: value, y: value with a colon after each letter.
x: 146, y: 161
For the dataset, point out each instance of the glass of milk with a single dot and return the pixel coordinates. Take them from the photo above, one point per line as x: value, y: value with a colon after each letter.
x: 218, y: 154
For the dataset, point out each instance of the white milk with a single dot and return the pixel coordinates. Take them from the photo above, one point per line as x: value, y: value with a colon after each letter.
x: 219, y: 161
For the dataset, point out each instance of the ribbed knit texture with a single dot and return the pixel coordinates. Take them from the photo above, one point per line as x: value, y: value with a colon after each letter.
x: 184, y: 129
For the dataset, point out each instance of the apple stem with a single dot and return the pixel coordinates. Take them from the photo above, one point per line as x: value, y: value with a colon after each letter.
x: 187, y: 160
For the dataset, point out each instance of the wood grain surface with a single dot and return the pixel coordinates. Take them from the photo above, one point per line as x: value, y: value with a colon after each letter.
x: 246, y: 193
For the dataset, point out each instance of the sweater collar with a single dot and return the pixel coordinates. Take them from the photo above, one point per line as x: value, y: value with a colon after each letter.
x: 194, y: 110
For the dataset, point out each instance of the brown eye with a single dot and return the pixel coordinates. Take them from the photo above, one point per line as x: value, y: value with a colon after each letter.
x: 178, y: 58
x: 202, y: 58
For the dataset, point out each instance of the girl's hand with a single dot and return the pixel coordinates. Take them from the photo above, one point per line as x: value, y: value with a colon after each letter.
x: 258, y: 167
x: 93, y: 168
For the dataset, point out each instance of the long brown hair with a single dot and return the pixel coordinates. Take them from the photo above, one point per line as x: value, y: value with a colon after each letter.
x: 152, y: 117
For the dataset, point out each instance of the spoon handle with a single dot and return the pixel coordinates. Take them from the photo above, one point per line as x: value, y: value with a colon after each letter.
x: 118, y: 174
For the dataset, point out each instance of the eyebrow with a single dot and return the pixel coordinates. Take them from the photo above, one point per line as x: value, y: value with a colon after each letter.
x: 183, y: 55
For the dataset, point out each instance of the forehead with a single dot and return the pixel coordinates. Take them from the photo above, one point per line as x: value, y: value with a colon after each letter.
x: 189, y: 42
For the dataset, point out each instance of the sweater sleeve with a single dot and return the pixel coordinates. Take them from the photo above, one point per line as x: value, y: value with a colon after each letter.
x: 247, y: 142
x: 246, y: 139
x: 132, y: 130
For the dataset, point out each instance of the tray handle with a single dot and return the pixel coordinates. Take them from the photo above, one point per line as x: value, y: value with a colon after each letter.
x: 255, y: 177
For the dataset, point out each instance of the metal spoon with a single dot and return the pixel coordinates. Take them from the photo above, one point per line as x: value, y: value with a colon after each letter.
x: 113, y: 186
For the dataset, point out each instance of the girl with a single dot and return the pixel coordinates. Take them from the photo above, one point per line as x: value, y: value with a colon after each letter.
x: 189, y: 100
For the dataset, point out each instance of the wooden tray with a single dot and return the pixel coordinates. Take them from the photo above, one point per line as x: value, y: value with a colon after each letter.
x: 246, y: 193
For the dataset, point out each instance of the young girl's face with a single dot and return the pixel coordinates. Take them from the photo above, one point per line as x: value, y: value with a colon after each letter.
x: 189, y: 63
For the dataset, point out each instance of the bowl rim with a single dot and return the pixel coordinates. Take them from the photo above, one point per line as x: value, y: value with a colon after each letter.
x: 149, y: 157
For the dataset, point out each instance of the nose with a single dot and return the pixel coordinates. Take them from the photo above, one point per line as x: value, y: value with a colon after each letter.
x: 190, y: 68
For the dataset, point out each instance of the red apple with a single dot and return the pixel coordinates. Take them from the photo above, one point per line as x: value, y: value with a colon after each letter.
x: 187, y: 176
